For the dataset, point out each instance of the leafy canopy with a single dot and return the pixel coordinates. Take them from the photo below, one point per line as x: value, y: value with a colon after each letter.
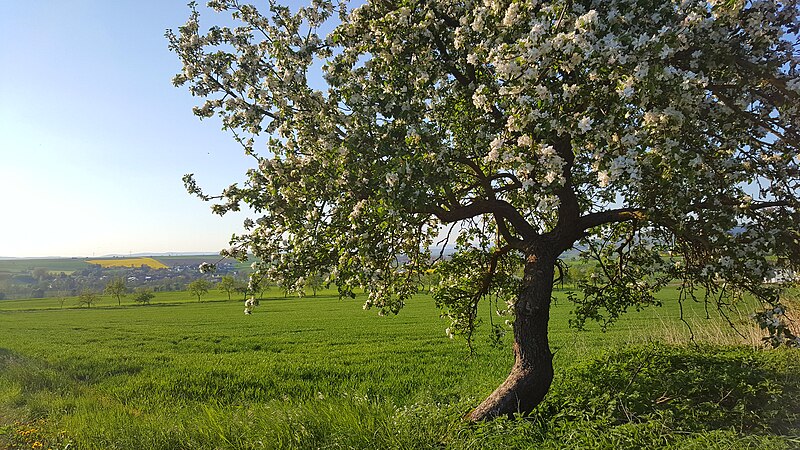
x: 143, y: 296
x: 227, y: 284
x: 199, y: 287
x: 116, y: 288
x: 661, y: 136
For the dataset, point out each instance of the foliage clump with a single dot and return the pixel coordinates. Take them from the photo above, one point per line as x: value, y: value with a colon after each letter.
x: 199, y: 288
x: 143, y: 296
x: 695, y: 388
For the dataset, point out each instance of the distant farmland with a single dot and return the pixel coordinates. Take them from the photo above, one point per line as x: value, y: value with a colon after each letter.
x: 128, y: 262
x: 16, y: 266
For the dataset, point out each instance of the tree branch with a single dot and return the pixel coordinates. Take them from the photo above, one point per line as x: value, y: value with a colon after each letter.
x: 625, y: 214
x: 787, y: 136
x: 568, y: 210
x: 500, y: 208
x: 516, y: 219
x: 610, y: 216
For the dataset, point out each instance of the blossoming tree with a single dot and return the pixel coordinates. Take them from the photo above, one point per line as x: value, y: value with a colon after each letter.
x: 660, y: 137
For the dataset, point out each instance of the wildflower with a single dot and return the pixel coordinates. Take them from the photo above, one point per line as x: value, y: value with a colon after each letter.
x: 249, y: 305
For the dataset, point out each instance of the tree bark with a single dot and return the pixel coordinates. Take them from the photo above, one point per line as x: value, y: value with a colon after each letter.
x: 532, y: 372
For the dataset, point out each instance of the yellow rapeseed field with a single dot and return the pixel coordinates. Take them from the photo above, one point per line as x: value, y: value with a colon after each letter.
x: 128, y: 262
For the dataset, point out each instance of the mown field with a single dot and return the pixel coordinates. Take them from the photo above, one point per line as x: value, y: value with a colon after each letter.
x: 322, y: 373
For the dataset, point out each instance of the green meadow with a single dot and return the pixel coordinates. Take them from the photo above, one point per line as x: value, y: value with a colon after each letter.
x: 67, y: 265
x: 320, y: 372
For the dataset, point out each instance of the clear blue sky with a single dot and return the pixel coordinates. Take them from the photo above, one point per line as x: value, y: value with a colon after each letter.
x: 94, y: 139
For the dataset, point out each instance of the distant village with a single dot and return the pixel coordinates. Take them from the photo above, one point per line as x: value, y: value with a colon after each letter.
x: 41, y: 282
x: 43, y: 278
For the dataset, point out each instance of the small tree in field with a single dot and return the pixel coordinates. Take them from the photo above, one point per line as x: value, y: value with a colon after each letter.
x: 62, y: 298
x: 88, y: 298
x: 117, y: 289
x: 199, y: 287
x: 315, y: 282
x: 143, y: 296
x: 660, y: 136
x: 227, y: 284
x: 241, y: 288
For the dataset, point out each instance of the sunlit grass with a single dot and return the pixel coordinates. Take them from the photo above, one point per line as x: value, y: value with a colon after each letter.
x: 321, y: 372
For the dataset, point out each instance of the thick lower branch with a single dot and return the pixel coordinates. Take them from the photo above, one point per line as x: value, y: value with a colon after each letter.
x: 500, y: 208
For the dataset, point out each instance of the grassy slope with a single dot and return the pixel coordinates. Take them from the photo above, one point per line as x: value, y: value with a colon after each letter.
x: 320, y: 372
x: 53, y: 265
x: 69, y: 265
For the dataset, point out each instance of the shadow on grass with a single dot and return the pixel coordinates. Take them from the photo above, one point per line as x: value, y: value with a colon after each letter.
x: 690, y: 389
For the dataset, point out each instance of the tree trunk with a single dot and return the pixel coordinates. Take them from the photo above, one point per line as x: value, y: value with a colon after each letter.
x: 532, y: 372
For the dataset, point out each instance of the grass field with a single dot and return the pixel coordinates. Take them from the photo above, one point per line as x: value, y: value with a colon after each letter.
x: 67, y: 265
x: 128, y: 262
x: 323, y: 373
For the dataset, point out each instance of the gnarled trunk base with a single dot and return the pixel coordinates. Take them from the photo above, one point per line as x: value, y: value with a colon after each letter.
x: 520, y: 393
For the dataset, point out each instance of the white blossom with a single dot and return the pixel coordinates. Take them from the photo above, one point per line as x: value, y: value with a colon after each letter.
x: 585, y: 124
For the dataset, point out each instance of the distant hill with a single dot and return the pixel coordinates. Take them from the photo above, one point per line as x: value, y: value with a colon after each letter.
x: 145, y: 254
x: 20, y: 265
